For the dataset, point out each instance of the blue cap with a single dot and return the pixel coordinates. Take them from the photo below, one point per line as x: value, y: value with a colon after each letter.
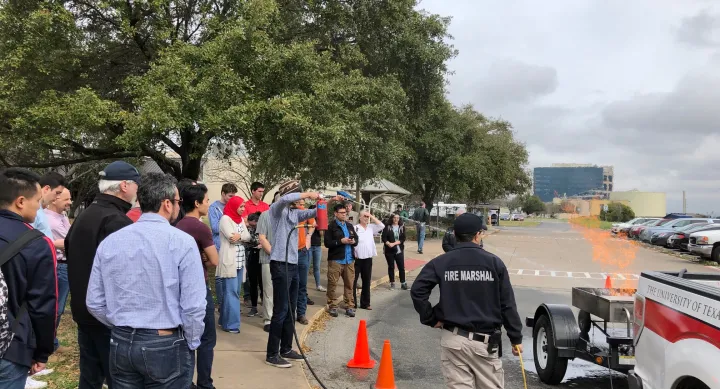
x: 120, y: 171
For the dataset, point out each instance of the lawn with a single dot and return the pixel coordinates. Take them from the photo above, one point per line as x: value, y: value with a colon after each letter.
x: 65, y: 364
x: 591, y: 222
x: 517, y: 223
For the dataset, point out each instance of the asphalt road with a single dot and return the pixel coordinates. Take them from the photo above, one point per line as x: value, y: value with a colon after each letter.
x: 544, y: 262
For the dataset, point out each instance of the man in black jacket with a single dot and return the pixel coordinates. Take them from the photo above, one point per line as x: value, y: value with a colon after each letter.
x: 31, y: 281
x: 118, y: 188
x: 340, y: 238
x: 476, y: 299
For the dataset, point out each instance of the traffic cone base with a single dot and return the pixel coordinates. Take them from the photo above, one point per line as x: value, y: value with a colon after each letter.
x: 386, y: 375
x: 608, y: 283
x: 362, y: 359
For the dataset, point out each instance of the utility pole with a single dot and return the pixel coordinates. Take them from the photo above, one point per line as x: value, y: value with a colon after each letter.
x: 684, y: 203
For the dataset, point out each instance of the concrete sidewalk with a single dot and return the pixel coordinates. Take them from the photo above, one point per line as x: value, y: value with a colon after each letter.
x: 240, y: 359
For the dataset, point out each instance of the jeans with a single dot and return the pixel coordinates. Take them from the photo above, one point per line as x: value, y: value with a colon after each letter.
x: 12, y: 375
x: 281, y: 325
x: 206, y: 351
x: 303, y: 267
x: 316, y: 254
x: 94, y: 345
x: 145, y: 359
x: 63, y: 292
x: 363, y: 268
x: 230, y: 310
x: 420, y: 236
x: 219, y: 291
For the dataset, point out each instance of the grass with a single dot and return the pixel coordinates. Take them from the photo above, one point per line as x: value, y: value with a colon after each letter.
x: 591, y: 222
x: 517, y: 223
x: 67, y: 363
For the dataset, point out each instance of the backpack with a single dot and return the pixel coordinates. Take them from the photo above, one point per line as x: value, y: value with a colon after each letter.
x: 8, y: 327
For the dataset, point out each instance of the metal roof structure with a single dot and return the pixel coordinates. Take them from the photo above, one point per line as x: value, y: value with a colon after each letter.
x: 382, y: 186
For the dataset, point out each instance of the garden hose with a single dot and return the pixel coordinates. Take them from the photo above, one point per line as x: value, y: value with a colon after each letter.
x: 522, y: 366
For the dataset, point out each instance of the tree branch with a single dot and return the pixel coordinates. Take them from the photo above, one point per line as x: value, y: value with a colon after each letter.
x: 61, y: 162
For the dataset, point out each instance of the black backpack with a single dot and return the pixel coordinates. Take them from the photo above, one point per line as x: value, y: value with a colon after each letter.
x: 8, y: 327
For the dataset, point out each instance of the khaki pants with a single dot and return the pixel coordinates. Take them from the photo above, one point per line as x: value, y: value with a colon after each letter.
x: 466, y: 364
x: 267, y: 293
x: 347, y: 272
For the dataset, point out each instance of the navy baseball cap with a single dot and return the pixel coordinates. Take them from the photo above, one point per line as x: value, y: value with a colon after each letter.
x: 120, y: 171
x: 468, y: 223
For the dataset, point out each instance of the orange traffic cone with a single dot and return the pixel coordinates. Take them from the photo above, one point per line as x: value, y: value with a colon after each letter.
x: 362, y: 360
x: 608, y: 283
x: 386, y: 375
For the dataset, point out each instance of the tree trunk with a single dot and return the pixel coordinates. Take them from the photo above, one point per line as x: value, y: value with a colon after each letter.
x: 358, y: 195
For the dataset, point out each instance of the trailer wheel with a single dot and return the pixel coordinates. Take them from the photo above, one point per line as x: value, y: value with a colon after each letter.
x: 550, y: 368
x: 584, y: 322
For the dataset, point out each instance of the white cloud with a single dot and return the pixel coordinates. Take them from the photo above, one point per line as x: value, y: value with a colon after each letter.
x: 631, y: 84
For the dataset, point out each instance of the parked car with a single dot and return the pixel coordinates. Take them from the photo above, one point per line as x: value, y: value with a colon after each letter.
x: 662, y: 237
x: 517, y: 217
x: 680, y: 239
x: 672, y: 225
x: 706, y: 244
x: 624, y: 227
x: 634, y: 231
x: 505, y: 216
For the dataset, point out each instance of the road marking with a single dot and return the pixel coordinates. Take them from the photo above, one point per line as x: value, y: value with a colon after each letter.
x: 554, y: 238
x: 569, y: 274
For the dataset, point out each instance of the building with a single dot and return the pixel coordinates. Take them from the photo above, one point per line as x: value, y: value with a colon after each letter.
x: 608, y: 173
x: 566, y: 181
x: 644, y: 204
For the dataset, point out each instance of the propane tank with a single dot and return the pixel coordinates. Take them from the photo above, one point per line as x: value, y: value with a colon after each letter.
x: 322, y: 215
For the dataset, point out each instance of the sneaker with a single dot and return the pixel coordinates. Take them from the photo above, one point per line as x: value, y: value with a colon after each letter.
x: 333, y: 312
x: 404, y: 286
x: 350, y: 312
x: 32, y: 384
x: 232, y: 331
x: 276, y: 361
x: 368, y: 308
x: 253, y: 312
x: 43, y: 372
x: 302, y: 320
x: 292, y: 354
x: 321, y: 289
x: 310, y: 302
x: 392, y: 286
x: 266, y: 328
x: 419, y: 251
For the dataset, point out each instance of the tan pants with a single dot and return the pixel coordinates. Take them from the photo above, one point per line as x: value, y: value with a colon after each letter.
x: 347, y: 272
x: 466, y: 364
x: 267, y: 293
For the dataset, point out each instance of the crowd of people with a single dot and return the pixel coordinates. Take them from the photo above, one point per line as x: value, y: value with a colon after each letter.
x: 137, y: 260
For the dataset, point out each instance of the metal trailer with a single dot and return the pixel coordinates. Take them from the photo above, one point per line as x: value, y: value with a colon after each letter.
x: 558, y: 337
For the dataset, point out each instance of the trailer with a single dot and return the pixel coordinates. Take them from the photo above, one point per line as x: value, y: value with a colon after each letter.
x: 558, y: 337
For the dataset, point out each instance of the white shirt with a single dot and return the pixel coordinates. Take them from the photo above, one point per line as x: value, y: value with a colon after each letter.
x: 366, y: 243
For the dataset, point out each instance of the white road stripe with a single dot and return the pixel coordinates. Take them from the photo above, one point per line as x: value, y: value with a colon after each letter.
x: 620, y: 276
x: 568, y: 274
x: 587, y: 275
x: 537, y: 272
x: 520, y: 272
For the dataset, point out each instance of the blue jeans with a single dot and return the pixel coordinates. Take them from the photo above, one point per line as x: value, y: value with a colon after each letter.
x: 316, y: 253
x: 420, y: 236
x: 281, y: 325
x: 206, y: 351
x: 144, y: 359
x: 12, y: 375
x: 303, y: 268
x: 230, y: 309
x: 219, y: 291
x: 63, y: 292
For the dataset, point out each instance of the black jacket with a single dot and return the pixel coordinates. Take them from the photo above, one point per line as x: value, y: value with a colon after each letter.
x: 333, y: 235
x: 449, y: 240
x: 389, y: 236
x: 31, y: 278
x: 104, y: 216
x: 475, y: 292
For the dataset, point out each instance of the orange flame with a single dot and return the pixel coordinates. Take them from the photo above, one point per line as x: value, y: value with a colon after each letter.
x: 614, y: 254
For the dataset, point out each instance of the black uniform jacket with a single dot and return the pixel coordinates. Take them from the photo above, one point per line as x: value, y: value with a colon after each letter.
x: 104, y: 216
x: 475, y: 292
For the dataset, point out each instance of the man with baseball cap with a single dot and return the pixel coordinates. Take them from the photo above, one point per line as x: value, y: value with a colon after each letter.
x: 476, y: 300
x: 118, y: 187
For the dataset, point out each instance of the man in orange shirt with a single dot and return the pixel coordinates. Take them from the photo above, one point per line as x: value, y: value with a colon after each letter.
x: 304, y: 236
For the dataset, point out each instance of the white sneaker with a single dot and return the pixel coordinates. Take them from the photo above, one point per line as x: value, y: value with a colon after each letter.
x: 321, y: 289
x: 32, y: 384
x: 43, y: 372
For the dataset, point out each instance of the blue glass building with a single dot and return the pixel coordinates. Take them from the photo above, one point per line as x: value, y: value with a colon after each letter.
x: 553, y: 182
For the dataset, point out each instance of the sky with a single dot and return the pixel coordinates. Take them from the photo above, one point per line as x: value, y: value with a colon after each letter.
x: 633, y: 84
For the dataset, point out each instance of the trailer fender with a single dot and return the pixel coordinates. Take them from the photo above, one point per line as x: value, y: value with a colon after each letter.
x: 564, y: 327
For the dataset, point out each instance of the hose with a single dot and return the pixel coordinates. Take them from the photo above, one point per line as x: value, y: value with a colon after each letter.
x: 522, y: 365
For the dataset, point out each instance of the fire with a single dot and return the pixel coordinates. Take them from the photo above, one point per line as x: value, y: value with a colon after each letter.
x: 615, y: 255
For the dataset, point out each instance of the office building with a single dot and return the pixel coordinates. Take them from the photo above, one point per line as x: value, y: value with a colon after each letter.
x: 566, y: 181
